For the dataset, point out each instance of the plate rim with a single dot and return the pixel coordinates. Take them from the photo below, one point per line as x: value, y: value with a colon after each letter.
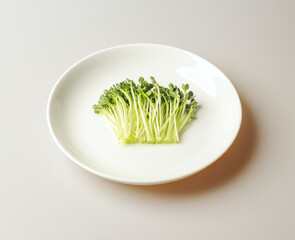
x: 118, y: 179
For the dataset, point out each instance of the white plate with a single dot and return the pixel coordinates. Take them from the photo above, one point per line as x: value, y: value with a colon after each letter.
x: 87, y: 139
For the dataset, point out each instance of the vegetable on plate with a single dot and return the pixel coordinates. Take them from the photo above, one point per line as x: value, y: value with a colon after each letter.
x: 147, y: 112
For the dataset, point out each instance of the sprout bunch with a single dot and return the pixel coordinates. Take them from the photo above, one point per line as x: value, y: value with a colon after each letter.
x: 146, y: 112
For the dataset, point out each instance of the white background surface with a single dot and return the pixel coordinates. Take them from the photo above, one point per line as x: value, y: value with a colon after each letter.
x: 247, y: 194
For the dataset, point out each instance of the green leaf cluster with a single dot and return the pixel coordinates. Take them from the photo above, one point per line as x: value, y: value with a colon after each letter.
x: 147, y: 112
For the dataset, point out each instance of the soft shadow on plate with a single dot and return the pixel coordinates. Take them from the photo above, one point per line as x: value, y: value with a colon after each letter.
x: 220, y: 172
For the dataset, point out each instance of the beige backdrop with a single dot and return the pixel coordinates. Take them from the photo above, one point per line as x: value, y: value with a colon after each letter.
x: 247, y: 194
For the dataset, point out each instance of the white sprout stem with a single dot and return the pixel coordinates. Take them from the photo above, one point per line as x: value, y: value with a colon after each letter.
x: 143, y: 117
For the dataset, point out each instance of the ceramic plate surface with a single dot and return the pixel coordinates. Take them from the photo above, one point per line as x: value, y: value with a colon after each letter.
x: 88, y: 140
